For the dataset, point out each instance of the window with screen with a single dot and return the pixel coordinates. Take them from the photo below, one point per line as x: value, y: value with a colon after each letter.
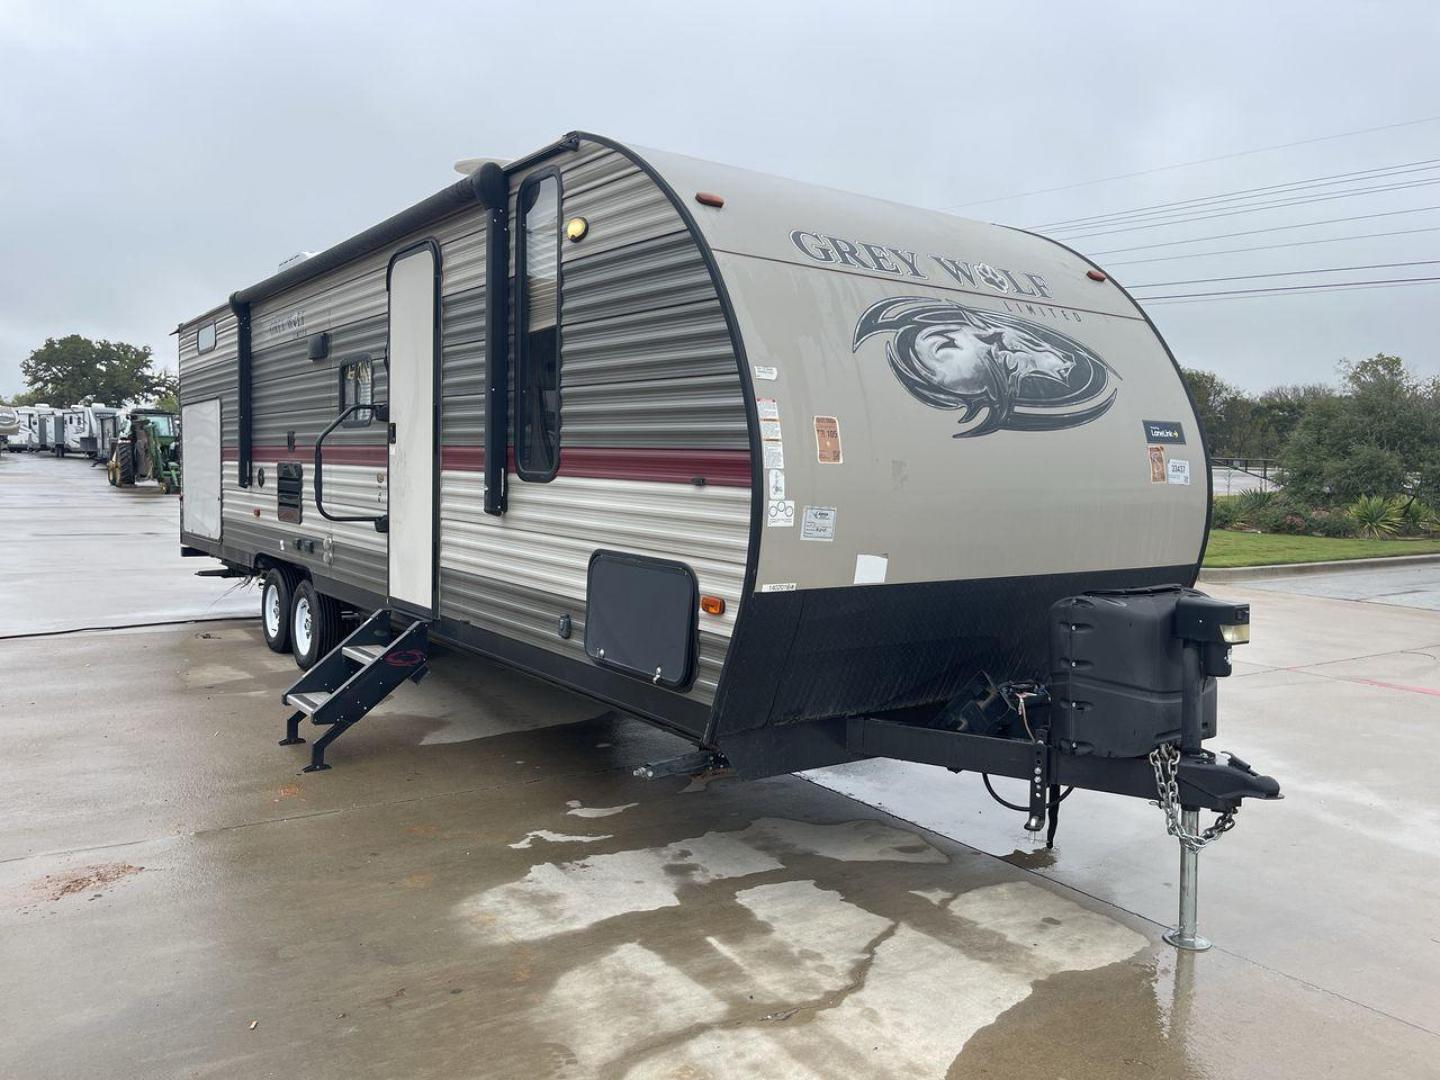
x: 537, y: 328
x: 205, y: 338
x: 356, y: 388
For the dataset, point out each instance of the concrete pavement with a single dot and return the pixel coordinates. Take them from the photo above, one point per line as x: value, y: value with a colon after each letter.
x: 480, y: 888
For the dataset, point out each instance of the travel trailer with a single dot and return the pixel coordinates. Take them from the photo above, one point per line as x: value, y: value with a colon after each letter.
x: 73, y: 425
x: 802, y: 476
x: 97, y: 435
x: 28, y: 436
x: 49, y: 428
x: 11, y: 426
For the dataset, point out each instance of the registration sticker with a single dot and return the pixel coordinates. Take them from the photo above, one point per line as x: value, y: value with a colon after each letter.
x: 819, y: 523
x: 827, y: 440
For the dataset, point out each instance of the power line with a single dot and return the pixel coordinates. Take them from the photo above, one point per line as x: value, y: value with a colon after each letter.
x: 1304, y: 201
x: 1286, y: 273
x: 1331, y: 180
x: 1263, y: 295
x: 1272, y: 247
x: 1270, y: 229
x: 1197, y: 161
x: 1282, y: 289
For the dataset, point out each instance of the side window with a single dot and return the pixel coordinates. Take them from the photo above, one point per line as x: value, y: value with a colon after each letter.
x: 205, y: 338
x: 356, y: 388
x: 537, y: 328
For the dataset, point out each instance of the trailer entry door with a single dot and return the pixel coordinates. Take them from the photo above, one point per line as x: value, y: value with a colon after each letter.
x: 412, y: 359
x: 200, y: 451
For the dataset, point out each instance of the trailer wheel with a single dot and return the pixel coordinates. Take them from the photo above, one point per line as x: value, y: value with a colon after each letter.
x: 315, y: 624
x: 276, y: 593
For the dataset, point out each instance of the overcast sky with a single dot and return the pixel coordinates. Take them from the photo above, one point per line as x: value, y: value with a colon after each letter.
x: 156, y: 156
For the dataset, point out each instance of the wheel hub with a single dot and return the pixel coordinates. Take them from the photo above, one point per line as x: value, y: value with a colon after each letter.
x: 302, y: 626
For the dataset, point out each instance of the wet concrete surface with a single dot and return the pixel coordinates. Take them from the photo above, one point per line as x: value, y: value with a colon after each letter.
x: 111, y: 555
x: 480, y: 888
x: 1415, y: 586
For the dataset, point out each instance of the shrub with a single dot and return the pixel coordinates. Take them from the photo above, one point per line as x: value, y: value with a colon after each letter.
x: 1418, y: 518
x: 1223, y: 514
x: 1375, y: 516
x: 1333, y: 525
x: 1254, y: 504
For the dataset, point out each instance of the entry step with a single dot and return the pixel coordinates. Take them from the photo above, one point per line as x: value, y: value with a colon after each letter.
x: 364, y: 654
x: 308, y: 703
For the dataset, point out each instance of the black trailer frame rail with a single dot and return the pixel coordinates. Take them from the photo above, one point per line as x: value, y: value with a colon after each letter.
x: 1204, y: 782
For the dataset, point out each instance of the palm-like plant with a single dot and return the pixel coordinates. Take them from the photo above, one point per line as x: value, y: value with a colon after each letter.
x: 1376, y: 516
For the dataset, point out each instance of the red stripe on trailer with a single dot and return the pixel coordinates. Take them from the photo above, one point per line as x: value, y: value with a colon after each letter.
x: 723, y: 468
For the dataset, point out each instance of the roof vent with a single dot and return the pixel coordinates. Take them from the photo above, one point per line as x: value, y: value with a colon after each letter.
x: 298, y: 257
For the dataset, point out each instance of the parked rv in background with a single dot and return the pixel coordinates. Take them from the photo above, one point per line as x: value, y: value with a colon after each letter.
x: 10, y: 425
x: 47, y: 427
x: 25, y: 437
x: 99, y: 418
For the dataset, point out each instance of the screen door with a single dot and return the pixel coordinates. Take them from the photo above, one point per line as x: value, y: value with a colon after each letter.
x: 411, y: 360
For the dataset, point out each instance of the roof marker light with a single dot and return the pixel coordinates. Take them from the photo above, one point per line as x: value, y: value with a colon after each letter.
x: 707, y: 198
x: 1095, y: 275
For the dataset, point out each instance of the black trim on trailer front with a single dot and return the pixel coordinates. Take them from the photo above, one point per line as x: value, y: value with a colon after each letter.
x: 435, y: 364
x: 522, y: 323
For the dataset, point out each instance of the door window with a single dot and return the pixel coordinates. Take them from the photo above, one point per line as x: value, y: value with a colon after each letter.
x: 537, y: 328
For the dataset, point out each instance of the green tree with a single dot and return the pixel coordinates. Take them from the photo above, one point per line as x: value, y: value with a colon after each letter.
x: 67, y: 370
x: 1214, y: 403
x: 1379, y: 436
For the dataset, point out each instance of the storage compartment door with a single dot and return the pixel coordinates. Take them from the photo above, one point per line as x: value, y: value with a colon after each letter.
x: 200, y: 459
x: 412, y: 360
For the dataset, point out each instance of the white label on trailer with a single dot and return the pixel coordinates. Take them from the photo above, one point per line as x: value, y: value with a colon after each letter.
x: 779, y: 586
x: 768, y: 408
x: 777, y: 484
x: 1177, y: 471
x: 770, y: 430
x: 819, y: 523
x: 781, y: 514
x: 870, y: 569
x: 774, y: 456
x: 769, y: 374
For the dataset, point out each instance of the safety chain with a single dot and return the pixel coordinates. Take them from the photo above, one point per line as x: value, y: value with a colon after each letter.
x: 1165, y: 760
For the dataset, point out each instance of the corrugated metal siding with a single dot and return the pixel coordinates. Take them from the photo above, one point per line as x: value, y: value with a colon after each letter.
x: 541, y: 549
x: 646, y: 364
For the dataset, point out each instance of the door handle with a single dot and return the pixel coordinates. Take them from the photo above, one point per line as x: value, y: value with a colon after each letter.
x: 391, y: 433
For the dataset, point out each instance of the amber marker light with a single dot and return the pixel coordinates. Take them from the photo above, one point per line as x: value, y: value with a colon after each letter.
x: 707, y: 198
x: 576, y: 228
x: 712, y: 605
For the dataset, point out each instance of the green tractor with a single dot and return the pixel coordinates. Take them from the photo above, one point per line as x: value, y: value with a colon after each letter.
x: 147, y: 448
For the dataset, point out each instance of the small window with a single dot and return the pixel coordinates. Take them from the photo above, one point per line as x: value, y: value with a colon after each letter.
x: 356, y: 388
x: 205, y: 338
x: 537, y: 328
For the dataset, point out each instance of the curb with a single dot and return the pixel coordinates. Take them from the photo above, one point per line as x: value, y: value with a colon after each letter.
x: 1252, y: 573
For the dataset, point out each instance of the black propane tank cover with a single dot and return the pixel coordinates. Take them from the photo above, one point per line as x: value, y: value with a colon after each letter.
x: 1117, y: 672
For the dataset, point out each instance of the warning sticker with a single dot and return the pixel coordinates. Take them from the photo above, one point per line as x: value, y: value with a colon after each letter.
x: 770, y: 430
x: 1157, y: 463
x: 768, y: 408
x: 777, y: 484
x: 774, y: 456
x: 1177, y: 471
x: 827, y: 440
x: 819, y: 523
x: 769, y: 374
x: 781, y: 514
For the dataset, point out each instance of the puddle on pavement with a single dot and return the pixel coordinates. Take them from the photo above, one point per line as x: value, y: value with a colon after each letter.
x: 790, y: 948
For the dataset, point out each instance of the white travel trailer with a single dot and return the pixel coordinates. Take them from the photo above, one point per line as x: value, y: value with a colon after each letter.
x: 11, y: 426
x: 803, y: 476
x: 49, y: 428
x: 73, y: 427
x: 27, y: 436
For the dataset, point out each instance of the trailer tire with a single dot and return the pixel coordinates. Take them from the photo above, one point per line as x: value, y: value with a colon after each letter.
x: 277, y: 590
x: 316, y: 624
